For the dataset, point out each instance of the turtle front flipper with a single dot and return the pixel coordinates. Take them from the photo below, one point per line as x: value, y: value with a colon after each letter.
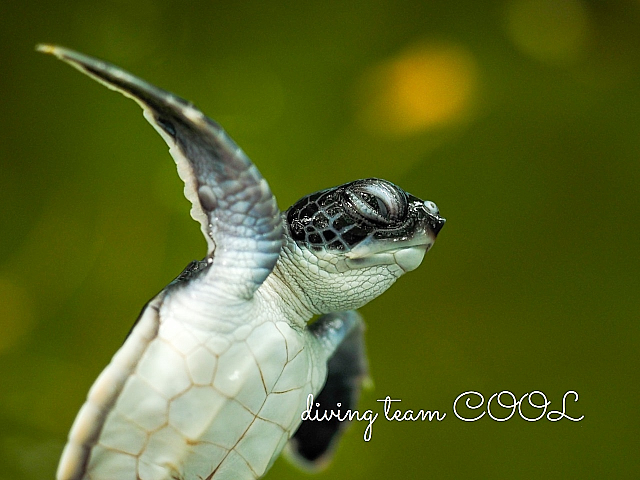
x: 237, y: 212
x: 314, y: 441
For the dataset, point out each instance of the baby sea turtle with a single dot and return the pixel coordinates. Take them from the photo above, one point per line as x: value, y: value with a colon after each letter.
x: 213, y: 378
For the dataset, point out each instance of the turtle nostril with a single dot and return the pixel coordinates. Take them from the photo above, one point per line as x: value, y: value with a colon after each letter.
x: 431, y: 207
x: 434, y: 220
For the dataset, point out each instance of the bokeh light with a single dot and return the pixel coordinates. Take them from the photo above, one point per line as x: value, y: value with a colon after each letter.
x: 424, y: 86
x: 549, y: 30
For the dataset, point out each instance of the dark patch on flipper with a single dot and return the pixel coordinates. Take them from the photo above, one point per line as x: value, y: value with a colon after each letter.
x: 189, y: 272
x: 314, y: 441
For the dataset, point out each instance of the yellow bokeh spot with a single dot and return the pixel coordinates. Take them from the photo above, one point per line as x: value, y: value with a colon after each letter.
x: 423, y: 87
x: 548, y: 30
x: 16, y: 317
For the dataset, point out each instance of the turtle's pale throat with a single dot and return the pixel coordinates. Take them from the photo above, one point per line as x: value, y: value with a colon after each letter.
x: 410, y: 258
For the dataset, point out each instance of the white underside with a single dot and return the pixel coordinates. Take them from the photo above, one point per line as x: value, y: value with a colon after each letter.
x: 195, y: 404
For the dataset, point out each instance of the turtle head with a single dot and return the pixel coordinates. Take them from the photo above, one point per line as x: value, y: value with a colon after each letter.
x: 357, y: 239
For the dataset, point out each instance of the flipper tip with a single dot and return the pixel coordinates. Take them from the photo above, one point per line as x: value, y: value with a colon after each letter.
x: 46, y: 48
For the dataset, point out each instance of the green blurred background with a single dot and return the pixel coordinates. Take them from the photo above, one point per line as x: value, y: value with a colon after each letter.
x: 520, y: 118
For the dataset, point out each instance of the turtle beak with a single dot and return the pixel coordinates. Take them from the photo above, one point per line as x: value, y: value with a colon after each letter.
x: 435, y: 223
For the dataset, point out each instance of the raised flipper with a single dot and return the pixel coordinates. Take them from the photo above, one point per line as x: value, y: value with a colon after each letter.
x: 225, y: 189
x: 314, y: 441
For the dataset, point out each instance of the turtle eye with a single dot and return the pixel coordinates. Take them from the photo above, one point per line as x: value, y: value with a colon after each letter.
x: 377, y: 201
x: 369, y: 206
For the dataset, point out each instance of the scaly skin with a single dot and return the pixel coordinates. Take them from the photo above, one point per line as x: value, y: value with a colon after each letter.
x: 197, y: 403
